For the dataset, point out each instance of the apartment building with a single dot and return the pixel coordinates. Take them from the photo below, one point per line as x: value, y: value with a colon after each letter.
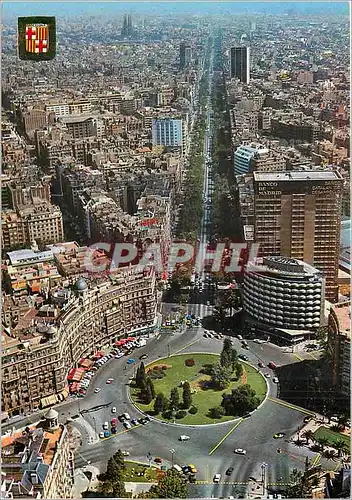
x: 38, y: 462
x: 39, y: 351
x: 339, y: 345
x: 297, y: 215
x: 69, y: 108
x: 42, y: 223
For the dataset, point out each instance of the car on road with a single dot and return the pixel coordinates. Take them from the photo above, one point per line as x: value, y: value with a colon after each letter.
x: 183, y: 437
x: 240, y: 451
x: 143, y: 356
x: 97, y: 390
x: 216, y: 478
x: 106, y: 434
x: 113, y: 409
x: 229, y: 471
x: 101, y: 434
x: 130, y: 361
x: 208, y: 303
x: 134, y: 421
x: 109, y: 381
x: 243, y: 357
x: 143, y: 421
x: 158, y: 460
x: 114, y: 422
x: 272, y: 365
x: 126, y: 416
x: 260, y: 364
x: 279, y: 435
x: 105, y: 425
x: 275, y: 380
x: 127, y: 425
x: 267, y: 375
x: 125, y: 453
x: 113, y: 430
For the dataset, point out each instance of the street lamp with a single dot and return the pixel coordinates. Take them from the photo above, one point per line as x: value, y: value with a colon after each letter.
x: 172, y: 451
x: 95, y: 424
x: 263, y: 467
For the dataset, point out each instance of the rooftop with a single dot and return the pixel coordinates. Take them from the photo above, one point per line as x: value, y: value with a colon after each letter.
x: 343, y: 313
x: 297, y: 175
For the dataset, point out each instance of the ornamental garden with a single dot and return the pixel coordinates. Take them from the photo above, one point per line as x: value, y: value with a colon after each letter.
x: 198, y: 389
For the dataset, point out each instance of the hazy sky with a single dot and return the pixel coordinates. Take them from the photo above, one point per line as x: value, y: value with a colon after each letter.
x: 12, y: 8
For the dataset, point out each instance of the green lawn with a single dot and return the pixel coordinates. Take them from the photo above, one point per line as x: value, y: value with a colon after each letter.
x: 204, y: 399
x: 332, y: 436
x: 132, y: 470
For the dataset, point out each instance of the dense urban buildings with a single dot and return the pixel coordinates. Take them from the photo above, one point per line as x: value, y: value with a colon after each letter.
x: 339, y: 340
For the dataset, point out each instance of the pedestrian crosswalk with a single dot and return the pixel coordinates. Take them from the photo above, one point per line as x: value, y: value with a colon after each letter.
x: 200, y: 310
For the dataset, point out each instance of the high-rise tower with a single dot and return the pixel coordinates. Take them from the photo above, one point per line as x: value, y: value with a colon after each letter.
x: 240, y: 64
x: 297, y: 215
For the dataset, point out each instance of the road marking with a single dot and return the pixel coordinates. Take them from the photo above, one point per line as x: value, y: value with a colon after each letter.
x: 121, y: 432
x: 225, y: 437
x: 185, y: 347
x: 316, y: 459
x: 222, y: 482
x: 298, y: 357
x: 289, y: 405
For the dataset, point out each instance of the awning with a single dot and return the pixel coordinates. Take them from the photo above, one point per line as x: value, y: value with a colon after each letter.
x: 49, y: 401
x: 98, y: 355
x: 4, y: 416
x: 63, y: 395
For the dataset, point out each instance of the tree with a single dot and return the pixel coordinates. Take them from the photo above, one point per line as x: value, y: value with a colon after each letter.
x: 171, y: 485
x: 174, y: 399
x: 150, y: 385
x: 240, y: 401
x: 119, y: 459
x: 308, y: 435
x: 160, y: 403
x: 217, y: 412
x: 238, y: 370
x: 228, y: 356
x: 140, y: 375
x: 340, y: 446
x: 147, y: 394
x: 322, y: 442
x: 220, y: 376
x: 186, y: 395
x: 219, y: 315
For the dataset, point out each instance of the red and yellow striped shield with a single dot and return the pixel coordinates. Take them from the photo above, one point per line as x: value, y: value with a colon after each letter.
x: 37, y: 38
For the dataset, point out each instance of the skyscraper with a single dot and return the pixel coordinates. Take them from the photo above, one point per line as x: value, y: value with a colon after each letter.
x: 240, y: 63
x: 127, y: 28
x: 169, y: 132
x: 185, y: 55
x: 297, y: 215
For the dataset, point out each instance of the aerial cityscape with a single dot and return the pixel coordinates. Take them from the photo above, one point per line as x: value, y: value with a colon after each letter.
x: 175, y: 212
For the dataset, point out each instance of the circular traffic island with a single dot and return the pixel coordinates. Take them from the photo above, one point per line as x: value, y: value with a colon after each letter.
x: 194, y: 389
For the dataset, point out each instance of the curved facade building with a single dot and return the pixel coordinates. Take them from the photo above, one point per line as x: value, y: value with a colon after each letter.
x: 91, y: 316
x: 283, y: 293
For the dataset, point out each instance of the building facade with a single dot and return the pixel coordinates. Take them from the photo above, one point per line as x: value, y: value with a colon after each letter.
x: 240, y: 64
x: 297, y: 215
x: 168, y: 132
x: 339, y: 345
x: 284, y: 294
x: 35, y: 362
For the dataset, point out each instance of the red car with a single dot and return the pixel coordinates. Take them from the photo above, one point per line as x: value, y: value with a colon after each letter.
x: 114, y: 422
x: 109, y: 381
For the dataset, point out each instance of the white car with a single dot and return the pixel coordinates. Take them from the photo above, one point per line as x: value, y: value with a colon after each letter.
x: 101, y: 435
x: 267, y: 375
x: 113, y: 409
x: 183, y: 437
x: 240, y: 451
x: 125, y: 453
x: 275, y: 380
x: 97, y: 390
x: 216, y: 478
x: 105, y: 426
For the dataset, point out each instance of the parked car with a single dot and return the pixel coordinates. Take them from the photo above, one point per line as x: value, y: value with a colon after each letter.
x: 127, y: 425
x: 106, y: 434
x: 229, y: 471
x: 240, y: 451
x: 113, y: 430
x: 113, y: 409
x: 101, y: 434
x: 134, y: 421
x: 183, y: 437
x: 216, y: 478
x: 275, y: 380
x: 125, y: 453
x: 143, y: 356
x: 105, y: 425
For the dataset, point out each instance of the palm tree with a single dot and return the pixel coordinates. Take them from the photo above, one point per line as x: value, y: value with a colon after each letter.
x: 343, y: 419
x: 308, y: 435
x: 322, y: 442
x: 341, y: 447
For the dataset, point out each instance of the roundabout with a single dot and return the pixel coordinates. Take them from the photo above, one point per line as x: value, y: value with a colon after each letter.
x: 171, y: 373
